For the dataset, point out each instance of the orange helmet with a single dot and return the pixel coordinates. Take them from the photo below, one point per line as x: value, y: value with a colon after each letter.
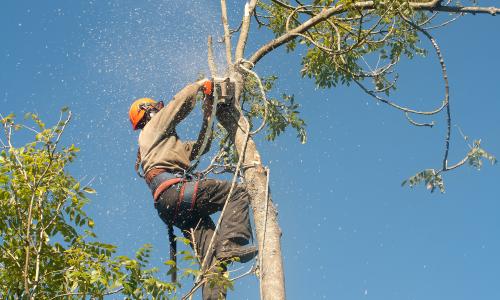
x: 137, y: 110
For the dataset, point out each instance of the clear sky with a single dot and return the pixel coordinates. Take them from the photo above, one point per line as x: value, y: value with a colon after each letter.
x: 350, y: 231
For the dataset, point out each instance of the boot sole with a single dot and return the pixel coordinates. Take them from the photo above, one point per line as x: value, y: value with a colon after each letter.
x: 242, y: 256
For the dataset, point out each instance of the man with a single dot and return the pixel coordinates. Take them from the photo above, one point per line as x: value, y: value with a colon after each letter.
x: 186, y: 201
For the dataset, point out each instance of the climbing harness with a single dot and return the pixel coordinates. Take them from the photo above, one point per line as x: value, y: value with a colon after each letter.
x: 188, y: 189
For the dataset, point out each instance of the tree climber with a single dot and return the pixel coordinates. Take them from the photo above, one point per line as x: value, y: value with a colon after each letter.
x: 182, y: 198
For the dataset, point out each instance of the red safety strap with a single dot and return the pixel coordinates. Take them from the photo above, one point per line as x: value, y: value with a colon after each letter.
x: 165, y: 185
x: 195, y: 193
x: 181, y: 195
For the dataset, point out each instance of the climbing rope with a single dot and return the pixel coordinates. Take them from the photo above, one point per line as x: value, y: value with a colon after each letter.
x: 233, y: 184
x: 261, y: 250
x: 262, y: 91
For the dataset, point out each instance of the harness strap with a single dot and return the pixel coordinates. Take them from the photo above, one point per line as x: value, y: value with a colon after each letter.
x: 188, y: 192
x: 188, y: 189
x: 187, y: 196
x: 163, y: 186
x: 195, y: 193
x: 176, y: 211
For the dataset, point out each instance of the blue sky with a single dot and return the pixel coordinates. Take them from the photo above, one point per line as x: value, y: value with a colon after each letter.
x: 350, y: 231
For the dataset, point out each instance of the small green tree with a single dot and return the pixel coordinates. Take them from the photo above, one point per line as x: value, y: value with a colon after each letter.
x: 48, y: 248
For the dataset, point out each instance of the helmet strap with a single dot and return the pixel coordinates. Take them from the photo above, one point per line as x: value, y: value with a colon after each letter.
x: 150, y: 111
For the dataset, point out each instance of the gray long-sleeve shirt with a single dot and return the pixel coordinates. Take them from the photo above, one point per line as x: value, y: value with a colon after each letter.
x: 159, y: 144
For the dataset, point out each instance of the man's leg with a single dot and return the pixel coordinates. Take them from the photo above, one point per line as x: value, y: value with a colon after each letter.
x: 235, y: 224
x: 197, y: 228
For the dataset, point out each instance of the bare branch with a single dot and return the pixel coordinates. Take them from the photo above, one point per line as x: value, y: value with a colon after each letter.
x: 467, y: 9
x: 250, y: 271
x: 211, y: 60
x: 444, y: 23
x: 193, y: 242
x: 413, y: 122
x: 227, y: 33
x: 397, y: 106
x: 263, y: 95
x: 231, y: 31
x: 459, y: 164
x: 290, y: 35
x: 282, y: 4
x: 198, y: 285
x: 447, y: 88
x: 245, y: 27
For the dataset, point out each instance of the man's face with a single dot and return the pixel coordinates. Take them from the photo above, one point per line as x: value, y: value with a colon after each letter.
x: 154, y: 109
x: 150, y: 111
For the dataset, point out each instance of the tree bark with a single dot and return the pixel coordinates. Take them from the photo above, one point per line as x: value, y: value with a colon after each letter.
x: 272, y: 279
x: 271, y: 274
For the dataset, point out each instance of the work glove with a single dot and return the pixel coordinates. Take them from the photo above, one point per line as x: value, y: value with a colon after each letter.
x: 208, y: 88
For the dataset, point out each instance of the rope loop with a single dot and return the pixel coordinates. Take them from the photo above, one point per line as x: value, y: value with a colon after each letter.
x: 241, y: 64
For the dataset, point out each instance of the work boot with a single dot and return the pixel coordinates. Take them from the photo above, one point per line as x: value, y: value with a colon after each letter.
x: 229, y: 249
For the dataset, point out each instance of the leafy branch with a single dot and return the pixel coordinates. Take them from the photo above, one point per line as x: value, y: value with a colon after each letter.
x: 433, y: 178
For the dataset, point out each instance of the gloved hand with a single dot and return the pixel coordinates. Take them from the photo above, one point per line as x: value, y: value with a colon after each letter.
x: 208, y: 87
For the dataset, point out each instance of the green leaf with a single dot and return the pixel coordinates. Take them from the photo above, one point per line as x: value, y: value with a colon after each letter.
x: 89, y: 190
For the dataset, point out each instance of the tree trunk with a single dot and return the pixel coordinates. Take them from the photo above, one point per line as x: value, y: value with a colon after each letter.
x: 272, y: 281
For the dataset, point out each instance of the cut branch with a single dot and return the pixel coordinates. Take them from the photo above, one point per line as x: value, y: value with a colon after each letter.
x: 227, y: 33
x: 211, y: 60
x: 245, y: 27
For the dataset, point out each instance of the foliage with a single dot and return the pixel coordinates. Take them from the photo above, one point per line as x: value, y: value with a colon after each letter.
x: 48, y: 248
x: 361, y: 42
x: 430, y: 177
x: 477, y: 154
x: 337, y: 50
x: 281, y: 113
x: 433, y: 178
x: 278, y: 115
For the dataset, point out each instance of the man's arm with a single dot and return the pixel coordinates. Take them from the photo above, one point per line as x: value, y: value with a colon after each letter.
x: 184, y: 101
x: 176, y: 110
x: 207, y: 114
